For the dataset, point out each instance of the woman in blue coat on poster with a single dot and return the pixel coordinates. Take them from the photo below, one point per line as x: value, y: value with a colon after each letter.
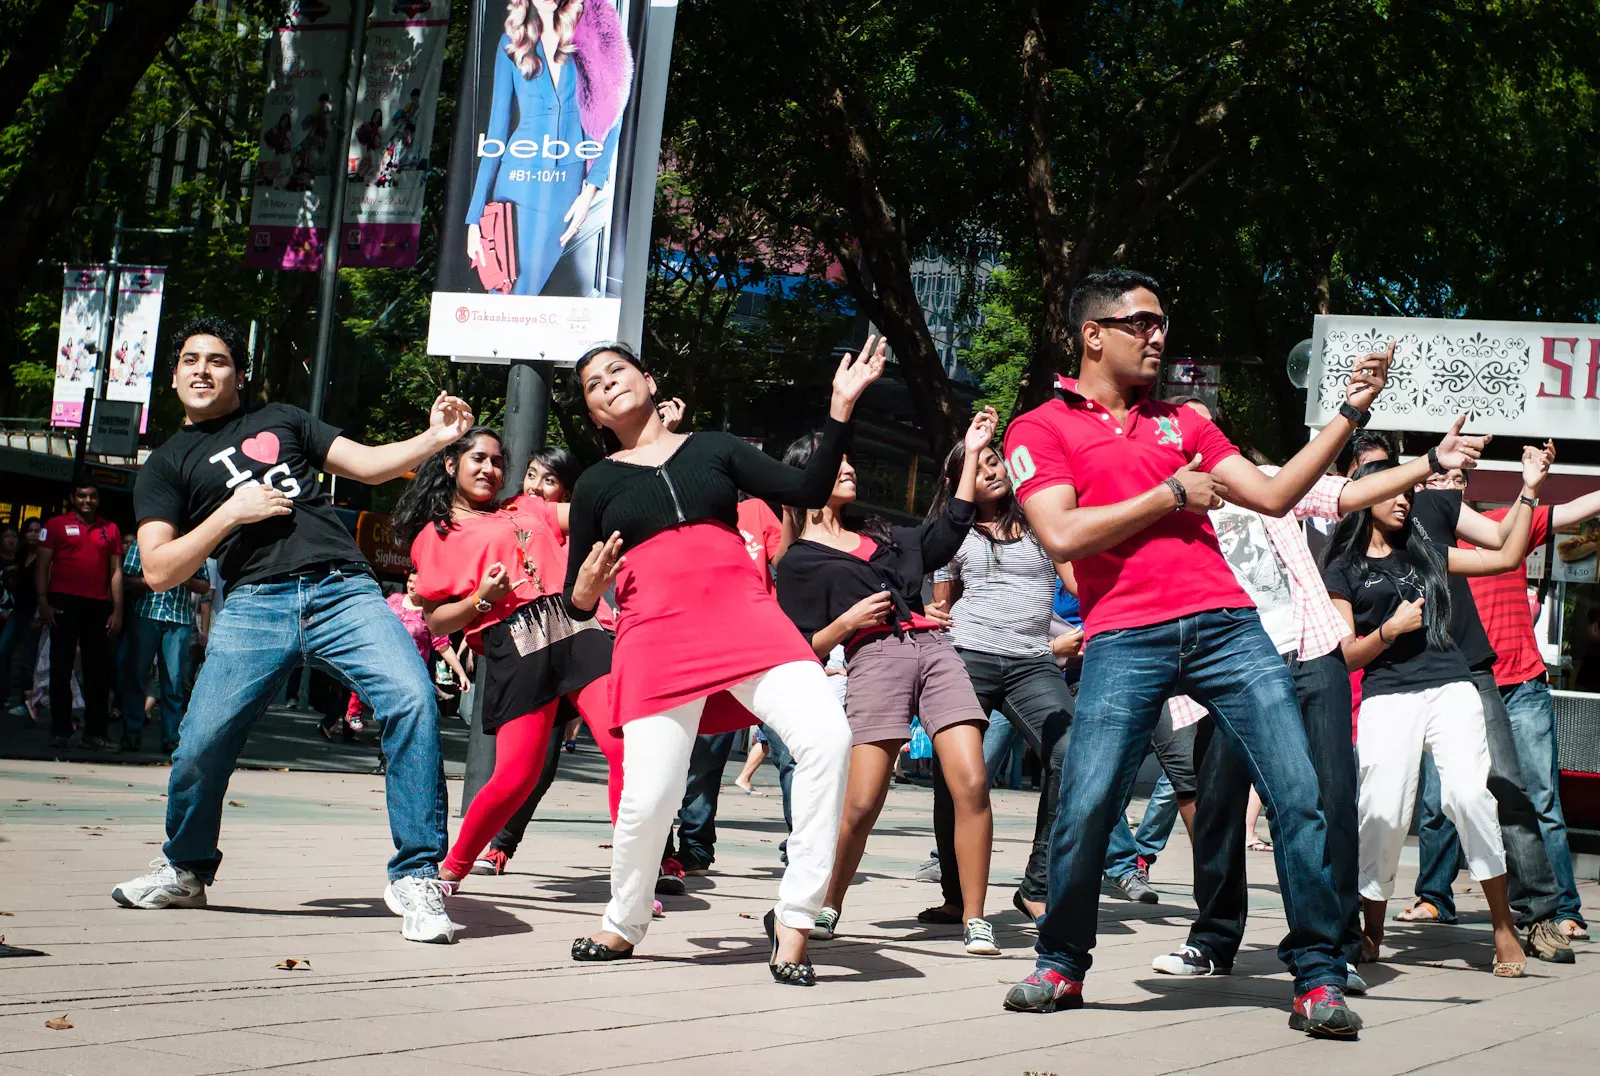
x: 558, y: 158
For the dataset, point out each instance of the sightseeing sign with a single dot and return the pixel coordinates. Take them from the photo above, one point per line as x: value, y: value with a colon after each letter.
x: 1516, y: 378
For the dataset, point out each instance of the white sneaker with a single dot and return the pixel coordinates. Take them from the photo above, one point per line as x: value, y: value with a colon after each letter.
x: 165, y: 886
x: 420, y: 904
x: 978, y: 937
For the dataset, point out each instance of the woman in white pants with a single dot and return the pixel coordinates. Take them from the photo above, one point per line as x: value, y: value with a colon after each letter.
x: 701, y: 645
x: 1388, y: 577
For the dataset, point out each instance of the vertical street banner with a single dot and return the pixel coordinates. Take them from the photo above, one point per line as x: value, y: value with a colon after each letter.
x: 83, y: 311
x: 551, y: 184
x: 302, y: 136
x: 135, y: 342
x: 387, y: 158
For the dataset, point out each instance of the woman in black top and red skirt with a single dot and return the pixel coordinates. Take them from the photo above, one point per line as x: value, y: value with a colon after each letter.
x: 701, y: 644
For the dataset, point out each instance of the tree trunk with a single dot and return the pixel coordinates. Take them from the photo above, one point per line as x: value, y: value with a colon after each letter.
x: 47, y: 186
x: 35, y: 49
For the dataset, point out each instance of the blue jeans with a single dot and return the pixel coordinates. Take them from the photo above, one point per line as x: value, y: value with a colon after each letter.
x: 1126, y: 847
x: 338, y: 623
x: 1438, y: 846
x: 1224, y: 660
x: 697, y: 818
x: 166, y: 644
x: 998, y: 739
x: 1533, y: 726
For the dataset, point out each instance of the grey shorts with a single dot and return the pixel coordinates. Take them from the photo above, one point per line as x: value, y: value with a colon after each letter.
x: 918, y: 675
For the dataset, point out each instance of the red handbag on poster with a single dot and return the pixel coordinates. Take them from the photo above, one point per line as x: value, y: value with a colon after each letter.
x: 497, y: 269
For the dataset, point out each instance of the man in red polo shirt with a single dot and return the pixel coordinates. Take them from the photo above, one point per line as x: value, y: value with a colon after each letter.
x: 80, y: 598
x: 1120, y: 485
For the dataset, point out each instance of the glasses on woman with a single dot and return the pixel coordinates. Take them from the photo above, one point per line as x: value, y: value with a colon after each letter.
x: 1143, y: 323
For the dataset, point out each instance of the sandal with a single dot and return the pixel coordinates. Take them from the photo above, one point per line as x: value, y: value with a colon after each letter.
x: 589, y: 949
x: 1259, y: 845
x: 1421, y: 911
x: 937, y: 916
x: 1574, y: 930
x: 785, y: 973
x: 1510, y: 969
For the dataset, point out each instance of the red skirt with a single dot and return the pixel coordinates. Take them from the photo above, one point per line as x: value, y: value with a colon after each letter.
x: 694, y: 618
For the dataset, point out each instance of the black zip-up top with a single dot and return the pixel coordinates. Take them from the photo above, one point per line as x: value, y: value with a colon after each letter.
x: 817, y: 583
x: 699, y: 482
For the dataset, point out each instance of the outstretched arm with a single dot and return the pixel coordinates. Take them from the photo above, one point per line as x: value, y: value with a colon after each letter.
x: 1456, y: 452
x: 449, y: 419
x: 1495, y: 561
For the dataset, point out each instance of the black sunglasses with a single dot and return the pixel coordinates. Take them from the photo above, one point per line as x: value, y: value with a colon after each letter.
x: 1144, y: 323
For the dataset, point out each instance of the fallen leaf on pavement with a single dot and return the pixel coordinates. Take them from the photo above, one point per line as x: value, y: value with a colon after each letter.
x: 235, y: 803
x: 293, y: 964
x: 746, y: 915
x: 602, y: 846
x: 8, y: 913
x: 60, y: 1023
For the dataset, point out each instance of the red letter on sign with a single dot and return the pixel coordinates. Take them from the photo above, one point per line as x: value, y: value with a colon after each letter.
x: 1550, y: 360
x: 1594, y: 369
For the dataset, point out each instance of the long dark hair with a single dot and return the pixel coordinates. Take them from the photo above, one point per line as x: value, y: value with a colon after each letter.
x: 870, y: 524
x: 1010, y: 523
x: 1349, y: 545
x: 432, y: 492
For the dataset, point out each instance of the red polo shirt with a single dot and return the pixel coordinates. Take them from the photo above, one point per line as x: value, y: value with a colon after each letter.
x: 1503, y: 607
x: 83, y: 554
x: 1173, y: 567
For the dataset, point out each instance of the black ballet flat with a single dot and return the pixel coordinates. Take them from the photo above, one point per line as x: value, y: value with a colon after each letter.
x: 785, y: 973
x: 937, y: 916
x: 589, y: 949
x: 1022, y: 906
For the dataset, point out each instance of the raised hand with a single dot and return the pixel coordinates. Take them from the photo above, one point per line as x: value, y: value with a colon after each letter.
x: 981, y: 432
x: 252, y: 502
x: 598, y: 572
x: 1459, y: 450
x: 1368, y: 378
x: 1407, y: 617
x: 855, y: 374
x: 1535, y: 467
x: 670, y: 413
x: 1204, y: 490
x: 449, y: 418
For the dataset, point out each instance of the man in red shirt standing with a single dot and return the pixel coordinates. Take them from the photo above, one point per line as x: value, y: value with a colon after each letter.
x: 1121, y: 485
x: 80, y: 599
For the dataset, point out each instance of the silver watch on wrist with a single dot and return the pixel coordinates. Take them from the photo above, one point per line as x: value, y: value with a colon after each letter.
x: 483, y: 605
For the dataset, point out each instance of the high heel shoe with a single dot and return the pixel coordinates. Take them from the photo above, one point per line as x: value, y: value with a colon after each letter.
x: 785, y: 973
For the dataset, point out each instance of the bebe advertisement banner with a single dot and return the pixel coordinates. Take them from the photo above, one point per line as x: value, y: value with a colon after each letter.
x: 388, y: 152
x: 83, y: 312
x: 134, y: 343
x: 546, y: 235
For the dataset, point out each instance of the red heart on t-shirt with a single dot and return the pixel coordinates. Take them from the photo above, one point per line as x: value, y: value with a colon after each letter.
x: 263, y: 447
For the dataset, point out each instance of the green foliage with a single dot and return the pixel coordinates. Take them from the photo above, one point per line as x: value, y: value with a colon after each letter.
x: 1003, y: 343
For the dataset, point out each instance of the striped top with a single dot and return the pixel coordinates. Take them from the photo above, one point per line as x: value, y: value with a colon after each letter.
x: 1007, y: 595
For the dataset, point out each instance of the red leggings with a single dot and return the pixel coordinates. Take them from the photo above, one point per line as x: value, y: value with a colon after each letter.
x: 520, y: 746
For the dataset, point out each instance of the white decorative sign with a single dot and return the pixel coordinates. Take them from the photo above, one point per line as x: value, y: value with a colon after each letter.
x: 1518, y: 378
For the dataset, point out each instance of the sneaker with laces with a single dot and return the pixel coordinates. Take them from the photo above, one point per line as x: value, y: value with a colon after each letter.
x: 1323, y: 1014
x: 669, y: 882
x: 420, y: 904
x: 166, y: 886
x: 1045, y: 991
x: 978, y: 937
x: 1545, y: 941
x: 827, y: 924
x: 1353, y: 982
x: 1136, y: 887
x: 491, y: 862
x: 1189, y: 961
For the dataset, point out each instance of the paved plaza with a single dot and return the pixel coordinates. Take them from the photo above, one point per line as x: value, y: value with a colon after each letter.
x: 183, y: 993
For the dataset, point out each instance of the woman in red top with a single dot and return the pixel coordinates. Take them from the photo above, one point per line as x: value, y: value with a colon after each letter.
x: 496, y: 570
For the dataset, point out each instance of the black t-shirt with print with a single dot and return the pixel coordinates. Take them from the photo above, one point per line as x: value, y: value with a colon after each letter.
x: 1438, y: 510
x: 280, y: 446
x: 1409, y: 663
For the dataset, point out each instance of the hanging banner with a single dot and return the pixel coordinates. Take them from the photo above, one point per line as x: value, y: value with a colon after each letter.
x: 1512, y: 378
x: 552, y: 180
x: 388, y: 151
x: 135, y: 343
x: 302, y: 136
x: 83, y: 312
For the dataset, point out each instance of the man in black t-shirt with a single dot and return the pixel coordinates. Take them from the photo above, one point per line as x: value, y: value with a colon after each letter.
x: 1535, y: 895
x: 241, y: 485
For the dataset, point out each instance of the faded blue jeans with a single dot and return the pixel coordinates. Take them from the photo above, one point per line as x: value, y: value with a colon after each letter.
x: 166, y: 644
x: 1127, y: 847
x: 1533, y: 726
x: 1224, y: 660
x: 338, y: 623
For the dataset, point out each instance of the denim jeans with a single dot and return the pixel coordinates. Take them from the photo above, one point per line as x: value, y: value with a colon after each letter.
x: 1127, y: 847
x: 338, y: 623
x: 1535, y: 893
x: 998, y: 740
x: 1533, y: 726
x: 1223, y: 659
x: 778, y: 754
x: 1322, y: 687
x: 1438, y: 846
x: 697, y: 818
x: 18, y: 640
x: 166, y: 644
x: 1037, y: 705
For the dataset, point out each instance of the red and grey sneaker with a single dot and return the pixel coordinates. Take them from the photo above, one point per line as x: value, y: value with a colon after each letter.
x: 1045, y: 991
x: 1322, y: 1013
x: 669, y: 883
x: 493, y: 861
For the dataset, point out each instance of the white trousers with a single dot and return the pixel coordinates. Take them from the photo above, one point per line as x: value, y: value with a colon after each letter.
x: 1392, y: 731
x: 798, y: 703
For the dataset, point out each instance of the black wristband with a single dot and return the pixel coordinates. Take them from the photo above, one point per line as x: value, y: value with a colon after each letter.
x: 1433, y: 462
x: 1179, y: 494
x: 1531, y: 502
x: 1381, y: 639
x: 1354, y: 414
